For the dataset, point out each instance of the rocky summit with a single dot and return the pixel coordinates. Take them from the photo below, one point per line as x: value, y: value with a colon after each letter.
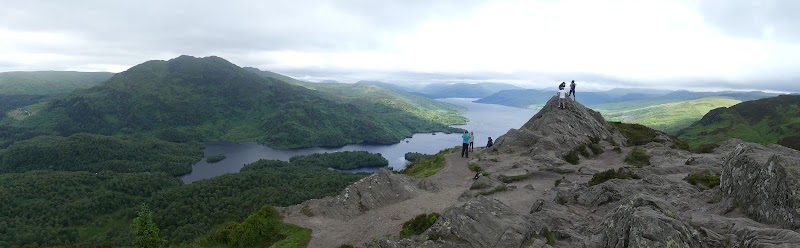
x: 618, y: 193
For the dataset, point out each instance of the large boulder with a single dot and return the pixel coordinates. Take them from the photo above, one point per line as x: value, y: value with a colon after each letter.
x: 553, y: 132
x: 377, y: 190
x: 763, y: 183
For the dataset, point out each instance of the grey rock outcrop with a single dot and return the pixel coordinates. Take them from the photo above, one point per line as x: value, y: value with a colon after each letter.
x: 481, y: 222
x: 647, y: 222
x: 379, y: 189
x: 552, y: 132
x: 763, y: 183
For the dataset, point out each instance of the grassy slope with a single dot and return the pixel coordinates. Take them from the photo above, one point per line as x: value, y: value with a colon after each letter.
x: 667, y: 117
x: 763, y: 121
x: 48, y: 82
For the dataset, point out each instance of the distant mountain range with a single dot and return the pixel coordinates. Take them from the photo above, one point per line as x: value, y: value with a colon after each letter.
x: 465, y: 90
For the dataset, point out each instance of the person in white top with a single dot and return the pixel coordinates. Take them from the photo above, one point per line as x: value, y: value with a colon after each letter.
x: 562, y: 98
x: 471, y: 141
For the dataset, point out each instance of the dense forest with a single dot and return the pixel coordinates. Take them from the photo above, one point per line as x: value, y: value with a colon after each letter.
x: 65, y: 207
x: 95, y: 153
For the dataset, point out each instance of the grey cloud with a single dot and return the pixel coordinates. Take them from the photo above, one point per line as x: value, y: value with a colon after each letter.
x: 755, y: 18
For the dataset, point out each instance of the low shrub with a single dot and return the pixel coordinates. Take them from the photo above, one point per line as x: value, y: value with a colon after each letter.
x: 791, y: 142
x: 635, y: 134
x: 596, y: 149
x: 617, y: 149
x: 582, y: 150
x: 511, y: 179
x: 638, y: 157
x: 689, y: 161
x: 498, y: 188
x: 703, y: 179
x: 418, y: 225
x: 572, y: 157
x: 474, y: 167
x: 558, y: 182
x: 706, y: 148
x: 307, y: 211
x: 620, y: 173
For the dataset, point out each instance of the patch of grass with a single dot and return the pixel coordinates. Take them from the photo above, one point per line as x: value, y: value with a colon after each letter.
x: 596, y: 149
x: 486, y: 173
x: 601, y: 177
x: 511, y: 179
x: 559, y: 170
x: 474, y: 167
x: 418, y: 225
x: 428, y: 166
x: 703, y: 179
x: 551, y: 240
x: 582, y: 150
x: 307, y: 211
x: 215, y: 158
x: 572, y: 158
x: 498, y: 188
x: 635, y: 134
x: 478, y: 185
x: 638, y: 157
x: 706, y: 148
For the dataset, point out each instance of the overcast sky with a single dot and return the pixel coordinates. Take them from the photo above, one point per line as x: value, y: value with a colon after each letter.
x: 711, y: 44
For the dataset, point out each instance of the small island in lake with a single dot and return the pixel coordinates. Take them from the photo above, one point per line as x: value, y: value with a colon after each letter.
x: 215, y: 158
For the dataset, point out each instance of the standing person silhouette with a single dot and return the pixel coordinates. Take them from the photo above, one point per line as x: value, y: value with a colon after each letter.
x: 562, y: 101
x: 471, y: 141
x: 562, y: 85
x: 572, y: 90
x: 465, y: 145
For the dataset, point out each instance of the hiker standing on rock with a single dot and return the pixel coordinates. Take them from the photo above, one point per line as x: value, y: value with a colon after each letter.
x: 562, y: 95
x: 572, y: 90
x: 562, y: 85
x: 471, y: 141
x: 490, y: 143
x: 465, y: 146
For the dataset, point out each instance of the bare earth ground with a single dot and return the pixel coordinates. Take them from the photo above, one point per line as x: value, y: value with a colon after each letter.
x: 453, y: 180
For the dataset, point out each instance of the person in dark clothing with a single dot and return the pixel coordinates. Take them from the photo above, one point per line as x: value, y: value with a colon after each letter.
x: 465, y: 146
x: 562, y: 85
x: 490, y: 143
x: 571, y: 90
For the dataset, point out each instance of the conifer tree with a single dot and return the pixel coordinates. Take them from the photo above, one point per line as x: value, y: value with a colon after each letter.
x: 146, y: 231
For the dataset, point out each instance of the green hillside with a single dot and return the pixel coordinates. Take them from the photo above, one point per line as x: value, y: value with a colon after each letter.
x: 210, y: 98
x: 375, y: 98
x: 668, y: 117
x: 763, y: 121
x: 48, y: 82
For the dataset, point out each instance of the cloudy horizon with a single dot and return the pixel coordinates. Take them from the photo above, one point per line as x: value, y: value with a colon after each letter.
x: 603, y: 44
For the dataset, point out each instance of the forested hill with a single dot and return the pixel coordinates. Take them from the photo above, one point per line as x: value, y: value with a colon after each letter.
x: 769, y: 120
x: 211, y: 98
x: 372, y: 97
x: 48, y: 82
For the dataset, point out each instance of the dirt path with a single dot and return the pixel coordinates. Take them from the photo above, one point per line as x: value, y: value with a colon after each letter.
x: 453, y: 180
